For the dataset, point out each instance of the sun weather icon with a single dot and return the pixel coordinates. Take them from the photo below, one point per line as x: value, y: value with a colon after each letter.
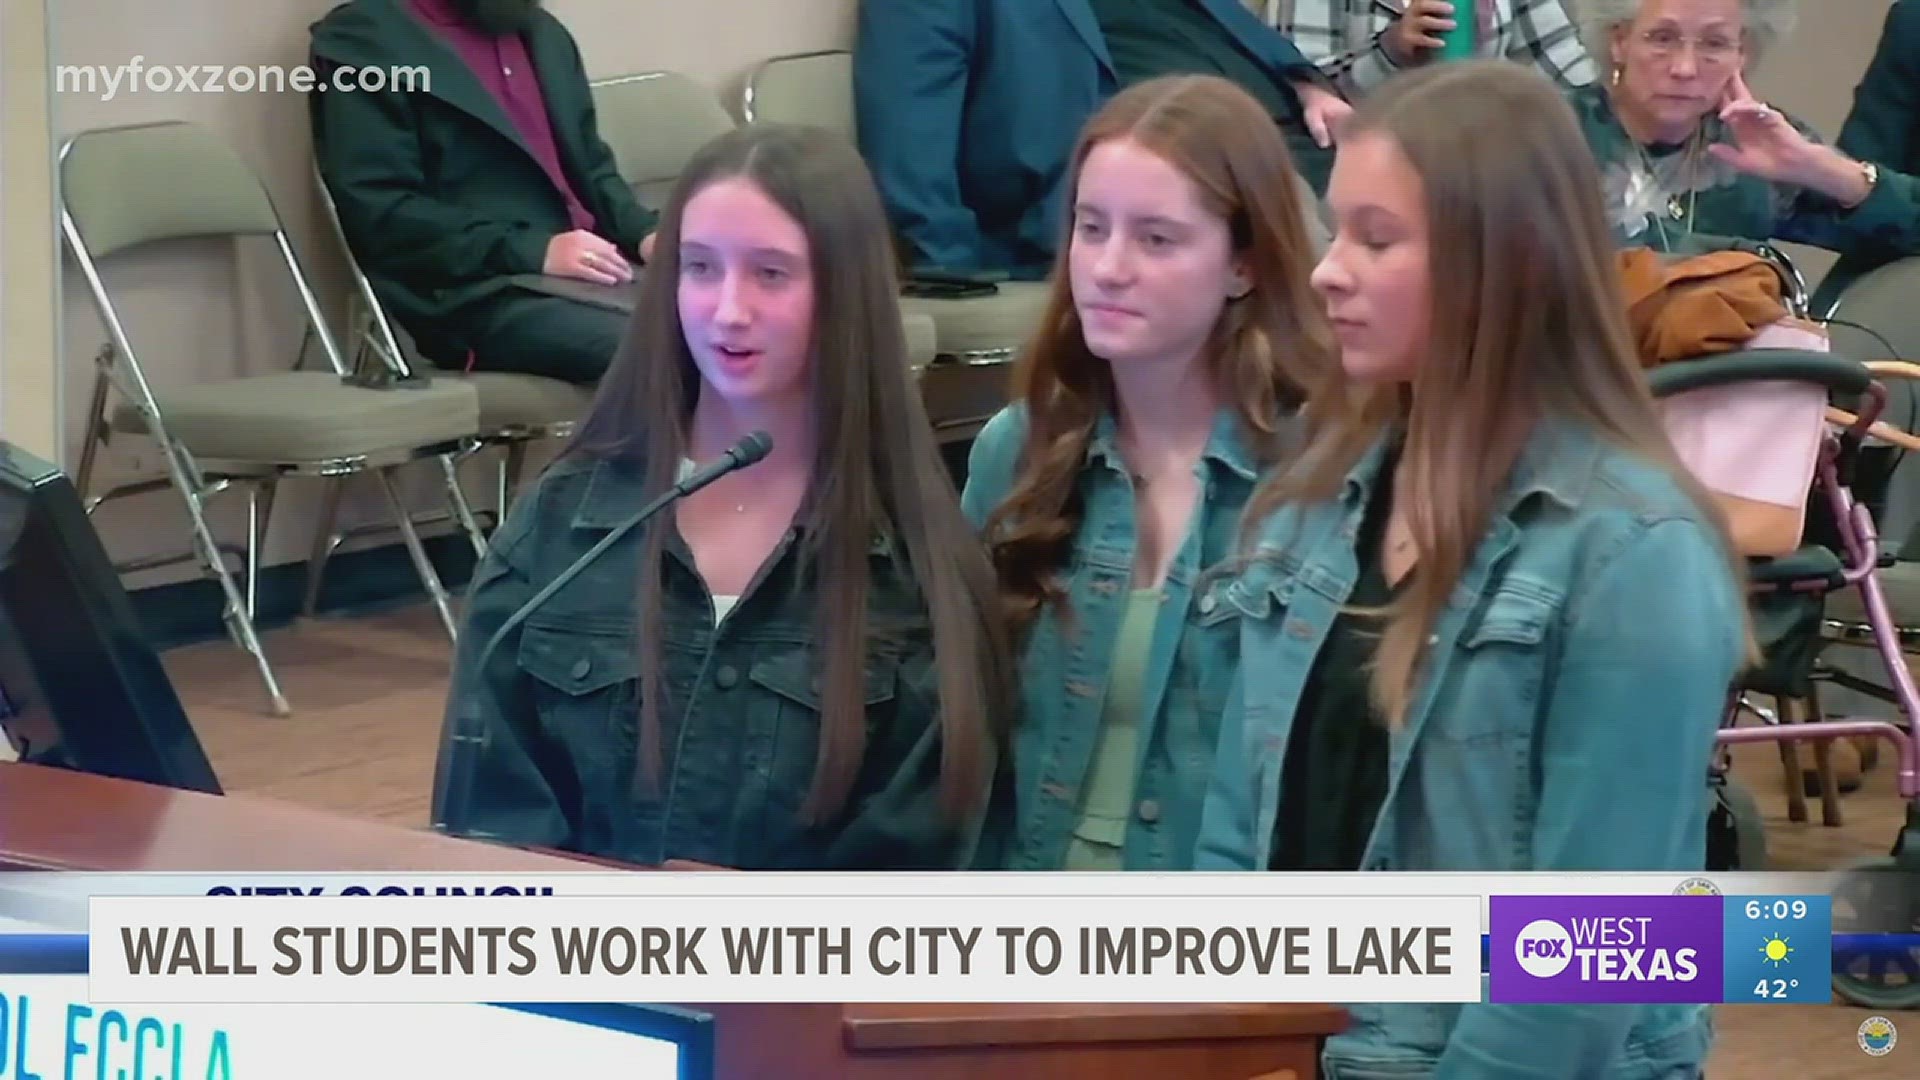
x: 1775, y: 949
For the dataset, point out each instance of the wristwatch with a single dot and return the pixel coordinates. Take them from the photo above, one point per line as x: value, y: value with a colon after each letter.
x: 1872, y: 172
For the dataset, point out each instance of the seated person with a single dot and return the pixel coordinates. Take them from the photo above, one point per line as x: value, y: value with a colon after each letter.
x: 1884, y: 124
x: 1454, y: 602
x: 488, y: 165
x: 968, y: 109
x: 1182, y: 337
x: 797, y: 666
x: 1685, y: 151
x: 1362, y: 43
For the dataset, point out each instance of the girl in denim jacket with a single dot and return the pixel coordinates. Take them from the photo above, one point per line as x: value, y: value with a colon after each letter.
x: 1169, y: 360
x: 798, y: 666
x: 1489, y: 622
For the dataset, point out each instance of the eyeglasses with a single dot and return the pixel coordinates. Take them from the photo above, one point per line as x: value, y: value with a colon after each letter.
x: 1666, y: 43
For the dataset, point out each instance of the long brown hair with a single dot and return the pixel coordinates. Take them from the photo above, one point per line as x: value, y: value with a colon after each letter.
x: 1528, y: 322
x: 876, y: 468
x: 1261, y: 348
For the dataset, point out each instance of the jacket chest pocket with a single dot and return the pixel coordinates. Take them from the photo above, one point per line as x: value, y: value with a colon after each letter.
x: 1499, y: 671
x: 586, y: 688
x: 787, y: 715
x: 1201, y: 678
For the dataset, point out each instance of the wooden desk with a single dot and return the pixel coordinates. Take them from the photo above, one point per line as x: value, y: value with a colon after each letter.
x: 54, y: 819
x: 1023, y: 1042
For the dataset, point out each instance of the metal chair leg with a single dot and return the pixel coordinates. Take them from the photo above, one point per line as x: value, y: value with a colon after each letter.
x: 239, y: 621
x: 510, y: 471
x: 323, y: 541
x: 437, y: 592
x: 462, y: 510
x: 259, y: 517
x: 96, y: 432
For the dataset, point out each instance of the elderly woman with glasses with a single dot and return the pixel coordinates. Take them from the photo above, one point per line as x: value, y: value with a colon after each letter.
x: 1686, y: 151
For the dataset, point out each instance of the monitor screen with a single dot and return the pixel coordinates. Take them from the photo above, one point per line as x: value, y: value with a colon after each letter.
x: 80, y: 686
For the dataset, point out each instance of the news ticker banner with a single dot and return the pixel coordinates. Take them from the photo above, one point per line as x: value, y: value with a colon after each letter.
x: 1069, y: 937
x: 1542, y: 949
x: 728, y: 947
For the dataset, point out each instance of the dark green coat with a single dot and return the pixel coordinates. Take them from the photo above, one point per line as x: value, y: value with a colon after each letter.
x: 439, y: 197
x: 1884, y: 125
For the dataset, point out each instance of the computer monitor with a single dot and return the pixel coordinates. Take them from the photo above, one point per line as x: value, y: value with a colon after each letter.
x: 654, y: 1042
x: 80, y: 686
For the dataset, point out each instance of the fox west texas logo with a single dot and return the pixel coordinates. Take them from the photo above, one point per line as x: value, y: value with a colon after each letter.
x: 1606, y: 948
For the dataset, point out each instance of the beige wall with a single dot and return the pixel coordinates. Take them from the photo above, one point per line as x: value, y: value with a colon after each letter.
x: 188, y: 310
x: 29, y: 354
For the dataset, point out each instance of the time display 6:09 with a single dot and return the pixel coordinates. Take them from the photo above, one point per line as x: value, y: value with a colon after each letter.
x: 1780, y: 908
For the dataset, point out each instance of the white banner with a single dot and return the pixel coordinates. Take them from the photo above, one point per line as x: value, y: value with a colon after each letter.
x: 771, y: 948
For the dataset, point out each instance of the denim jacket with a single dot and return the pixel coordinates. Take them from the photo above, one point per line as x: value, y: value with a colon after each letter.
x: 1064, y: 669
x: 540, y: 746
x: 1566, y: 723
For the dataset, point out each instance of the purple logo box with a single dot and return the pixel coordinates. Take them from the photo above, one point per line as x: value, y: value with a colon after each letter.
x: 1627, y: 950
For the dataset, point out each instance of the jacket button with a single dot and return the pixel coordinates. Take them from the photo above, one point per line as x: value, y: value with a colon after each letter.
x: 727, y: 677
x: 582, y: 667
x: 1207, y: 603
x: 1149, y: 810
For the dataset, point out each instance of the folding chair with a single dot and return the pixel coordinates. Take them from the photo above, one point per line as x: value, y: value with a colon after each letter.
x: 655, y: 122
x: 975, y: 337
x: 515, y: 409
x: 125, y: 188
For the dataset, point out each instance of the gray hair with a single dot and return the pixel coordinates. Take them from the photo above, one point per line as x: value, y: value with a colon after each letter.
x: 1767, y: 23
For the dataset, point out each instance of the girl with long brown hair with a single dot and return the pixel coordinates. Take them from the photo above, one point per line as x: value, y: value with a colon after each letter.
x: 1159, y: 388
x: 1489, y: 622
x: 799, y: 665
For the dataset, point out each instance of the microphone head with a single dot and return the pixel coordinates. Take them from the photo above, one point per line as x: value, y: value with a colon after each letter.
x: 752, y: 447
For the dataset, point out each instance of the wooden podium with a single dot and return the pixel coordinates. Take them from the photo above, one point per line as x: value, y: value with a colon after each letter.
x: 53, y: 819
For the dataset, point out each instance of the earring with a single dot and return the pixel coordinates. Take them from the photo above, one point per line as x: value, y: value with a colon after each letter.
x: 1615, y: 80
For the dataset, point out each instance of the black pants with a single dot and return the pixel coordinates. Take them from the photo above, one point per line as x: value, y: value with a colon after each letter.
x: 540, y: 335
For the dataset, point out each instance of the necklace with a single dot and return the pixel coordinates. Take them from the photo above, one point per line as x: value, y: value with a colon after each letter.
x: 1688, y: 173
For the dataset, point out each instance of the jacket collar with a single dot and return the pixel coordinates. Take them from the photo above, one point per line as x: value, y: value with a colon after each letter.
x: 386, y: 33
x: 616, y: 490
x: 1226, y: 445
x: 1079, y: 14
x: 1558, y: 462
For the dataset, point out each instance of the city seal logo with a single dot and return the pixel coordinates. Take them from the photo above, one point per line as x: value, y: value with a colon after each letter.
x: 1696, y: 886
x: 1543, y: 948
x: 1877, y: 1036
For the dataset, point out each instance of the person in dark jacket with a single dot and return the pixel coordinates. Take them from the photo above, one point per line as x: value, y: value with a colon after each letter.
x: 1883, y: 125
x: 458, y: 141
x: 968, y: 109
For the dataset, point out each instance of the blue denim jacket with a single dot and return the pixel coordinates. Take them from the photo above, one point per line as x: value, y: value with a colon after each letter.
x: 1567, y: 723
x: 1065, y: 666
x: 540, y: 743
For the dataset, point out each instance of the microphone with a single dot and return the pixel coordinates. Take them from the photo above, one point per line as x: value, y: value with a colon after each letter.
x: 751, y: 448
